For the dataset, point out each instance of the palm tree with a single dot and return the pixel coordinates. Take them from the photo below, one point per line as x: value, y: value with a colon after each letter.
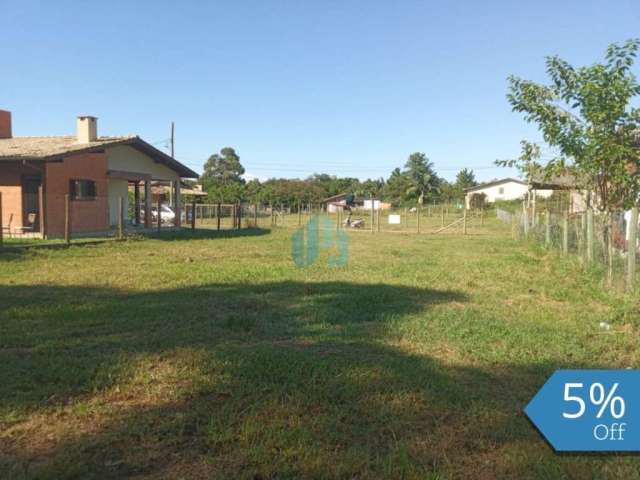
x: 421, y: 177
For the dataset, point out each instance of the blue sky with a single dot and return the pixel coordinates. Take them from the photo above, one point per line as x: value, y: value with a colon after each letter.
x: 345, y: 87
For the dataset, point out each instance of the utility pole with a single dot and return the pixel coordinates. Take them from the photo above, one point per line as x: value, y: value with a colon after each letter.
x: 172, y: 152
x: 172, y: 139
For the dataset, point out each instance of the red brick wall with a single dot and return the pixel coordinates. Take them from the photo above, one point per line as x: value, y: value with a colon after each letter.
x: 11, y: 189
x: 86, y: 215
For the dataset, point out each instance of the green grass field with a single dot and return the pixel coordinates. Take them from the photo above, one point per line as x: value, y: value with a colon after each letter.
x: 210, y: 355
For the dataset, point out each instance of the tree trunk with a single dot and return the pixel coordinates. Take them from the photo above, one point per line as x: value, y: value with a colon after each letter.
x: 610, y: 250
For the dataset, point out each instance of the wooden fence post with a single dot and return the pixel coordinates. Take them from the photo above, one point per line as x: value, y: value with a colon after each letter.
x: 1, y: 224
x: 547, y: 228
x: 218, y: 216
x: 255, y: 215
x: 67, y: 219
x: 632, y: 248
x: 565, y: 233
x: 582, y: 236
x: 464, y: 221
x: 418, y: 217
x: 271, y: 208
x: 239, y: 226
x: 41, y: 212
x: 590, y: 238
x: 372, y: 222
x: 534, y: 213
x: 378, y: 219
x: 299, y: 213
x: 193, y: 215
x: 120, y: 218
x: 159, y: 215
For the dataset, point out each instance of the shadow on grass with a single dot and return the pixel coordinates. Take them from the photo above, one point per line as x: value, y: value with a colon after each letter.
x: 265, y: 380
x: 205, y: 233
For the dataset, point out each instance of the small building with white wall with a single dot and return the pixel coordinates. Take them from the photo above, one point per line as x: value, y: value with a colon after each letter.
x: 503, y: 189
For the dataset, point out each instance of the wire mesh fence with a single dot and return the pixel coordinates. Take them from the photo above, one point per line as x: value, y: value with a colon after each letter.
x: 64, y: 218
x: 606, y: 243
x: 426, y: 219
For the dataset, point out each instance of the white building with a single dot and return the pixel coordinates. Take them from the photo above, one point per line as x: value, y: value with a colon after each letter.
x: 366, y: 205
x: 503, y: 189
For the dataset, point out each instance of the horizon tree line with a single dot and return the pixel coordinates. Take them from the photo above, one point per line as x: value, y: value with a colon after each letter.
x: 415, y: 184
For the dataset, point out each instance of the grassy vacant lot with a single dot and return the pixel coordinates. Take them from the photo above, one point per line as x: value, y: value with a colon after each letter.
x: 213, y: 356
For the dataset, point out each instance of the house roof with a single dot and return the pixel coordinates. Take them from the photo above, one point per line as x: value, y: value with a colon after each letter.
x: 566, y: 181
x: 165, y: 189
x: 55, y: 148
x: 335, y: 198
x: 493, y: 183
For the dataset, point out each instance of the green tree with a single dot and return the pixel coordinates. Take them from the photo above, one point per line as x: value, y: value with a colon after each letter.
x: 449, y: 192
x: 586, y: 114
x: 396, y: 187
x: 222, y: 176
x: 465, y: 179
x: 422, y: 180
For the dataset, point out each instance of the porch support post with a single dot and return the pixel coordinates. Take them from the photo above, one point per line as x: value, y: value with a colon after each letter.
x: 41, y: 210
x: 147, y: 204
x: 178, y: 203
x: 136, y: 194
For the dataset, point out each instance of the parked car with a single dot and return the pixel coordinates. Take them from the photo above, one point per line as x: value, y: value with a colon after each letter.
x: 167, y: 215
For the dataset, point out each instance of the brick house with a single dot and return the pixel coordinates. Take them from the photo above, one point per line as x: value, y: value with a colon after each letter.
x: 37, y: 173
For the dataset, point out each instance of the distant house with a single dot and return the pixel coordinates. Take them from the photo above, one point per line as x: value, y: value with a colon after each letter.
x: 377, y: 204
x: 576, y: 196
x: 338, y: 202
x: 38, y: 173
x: 164, y: 193
x: 503, y: 189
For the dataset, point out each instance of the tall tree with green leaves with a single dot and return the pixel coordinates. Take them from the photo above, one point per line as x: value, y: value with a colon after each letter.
x: 464, y: 179
x: 396, y: 187
x: 422, y: 179
x: 586, y: 114
x: 222, y: 176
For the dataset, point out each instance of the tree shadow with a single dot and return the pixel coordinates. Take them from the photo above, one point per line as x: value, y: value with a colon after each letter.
x: 257, y: 380
x: 204, y: 234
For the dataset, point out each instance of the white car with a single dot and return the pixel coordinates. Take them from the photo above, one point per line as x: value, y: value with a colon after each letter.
x: 166, y: 214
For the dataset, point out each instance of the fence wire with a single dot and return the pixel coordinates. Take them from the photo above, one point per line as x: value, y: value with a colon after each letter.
x: 584, y: 235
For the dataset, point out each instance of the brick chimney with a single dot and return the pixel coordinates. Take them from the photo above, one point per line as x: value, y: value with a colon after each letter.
x: 5, y: 124
x: 87, y: 128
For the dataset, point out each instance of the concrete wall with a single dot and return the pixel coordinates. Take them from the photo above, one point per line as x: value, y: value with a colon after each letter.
x: 86, y: 215
x: 117, y: 188
x: 128, y: 159
x: 334, y: 206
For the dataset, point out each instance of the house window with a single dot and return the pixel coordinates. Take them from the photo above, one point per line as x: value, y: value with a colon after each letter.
x: 501, y: 191
x: 82, y: 189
